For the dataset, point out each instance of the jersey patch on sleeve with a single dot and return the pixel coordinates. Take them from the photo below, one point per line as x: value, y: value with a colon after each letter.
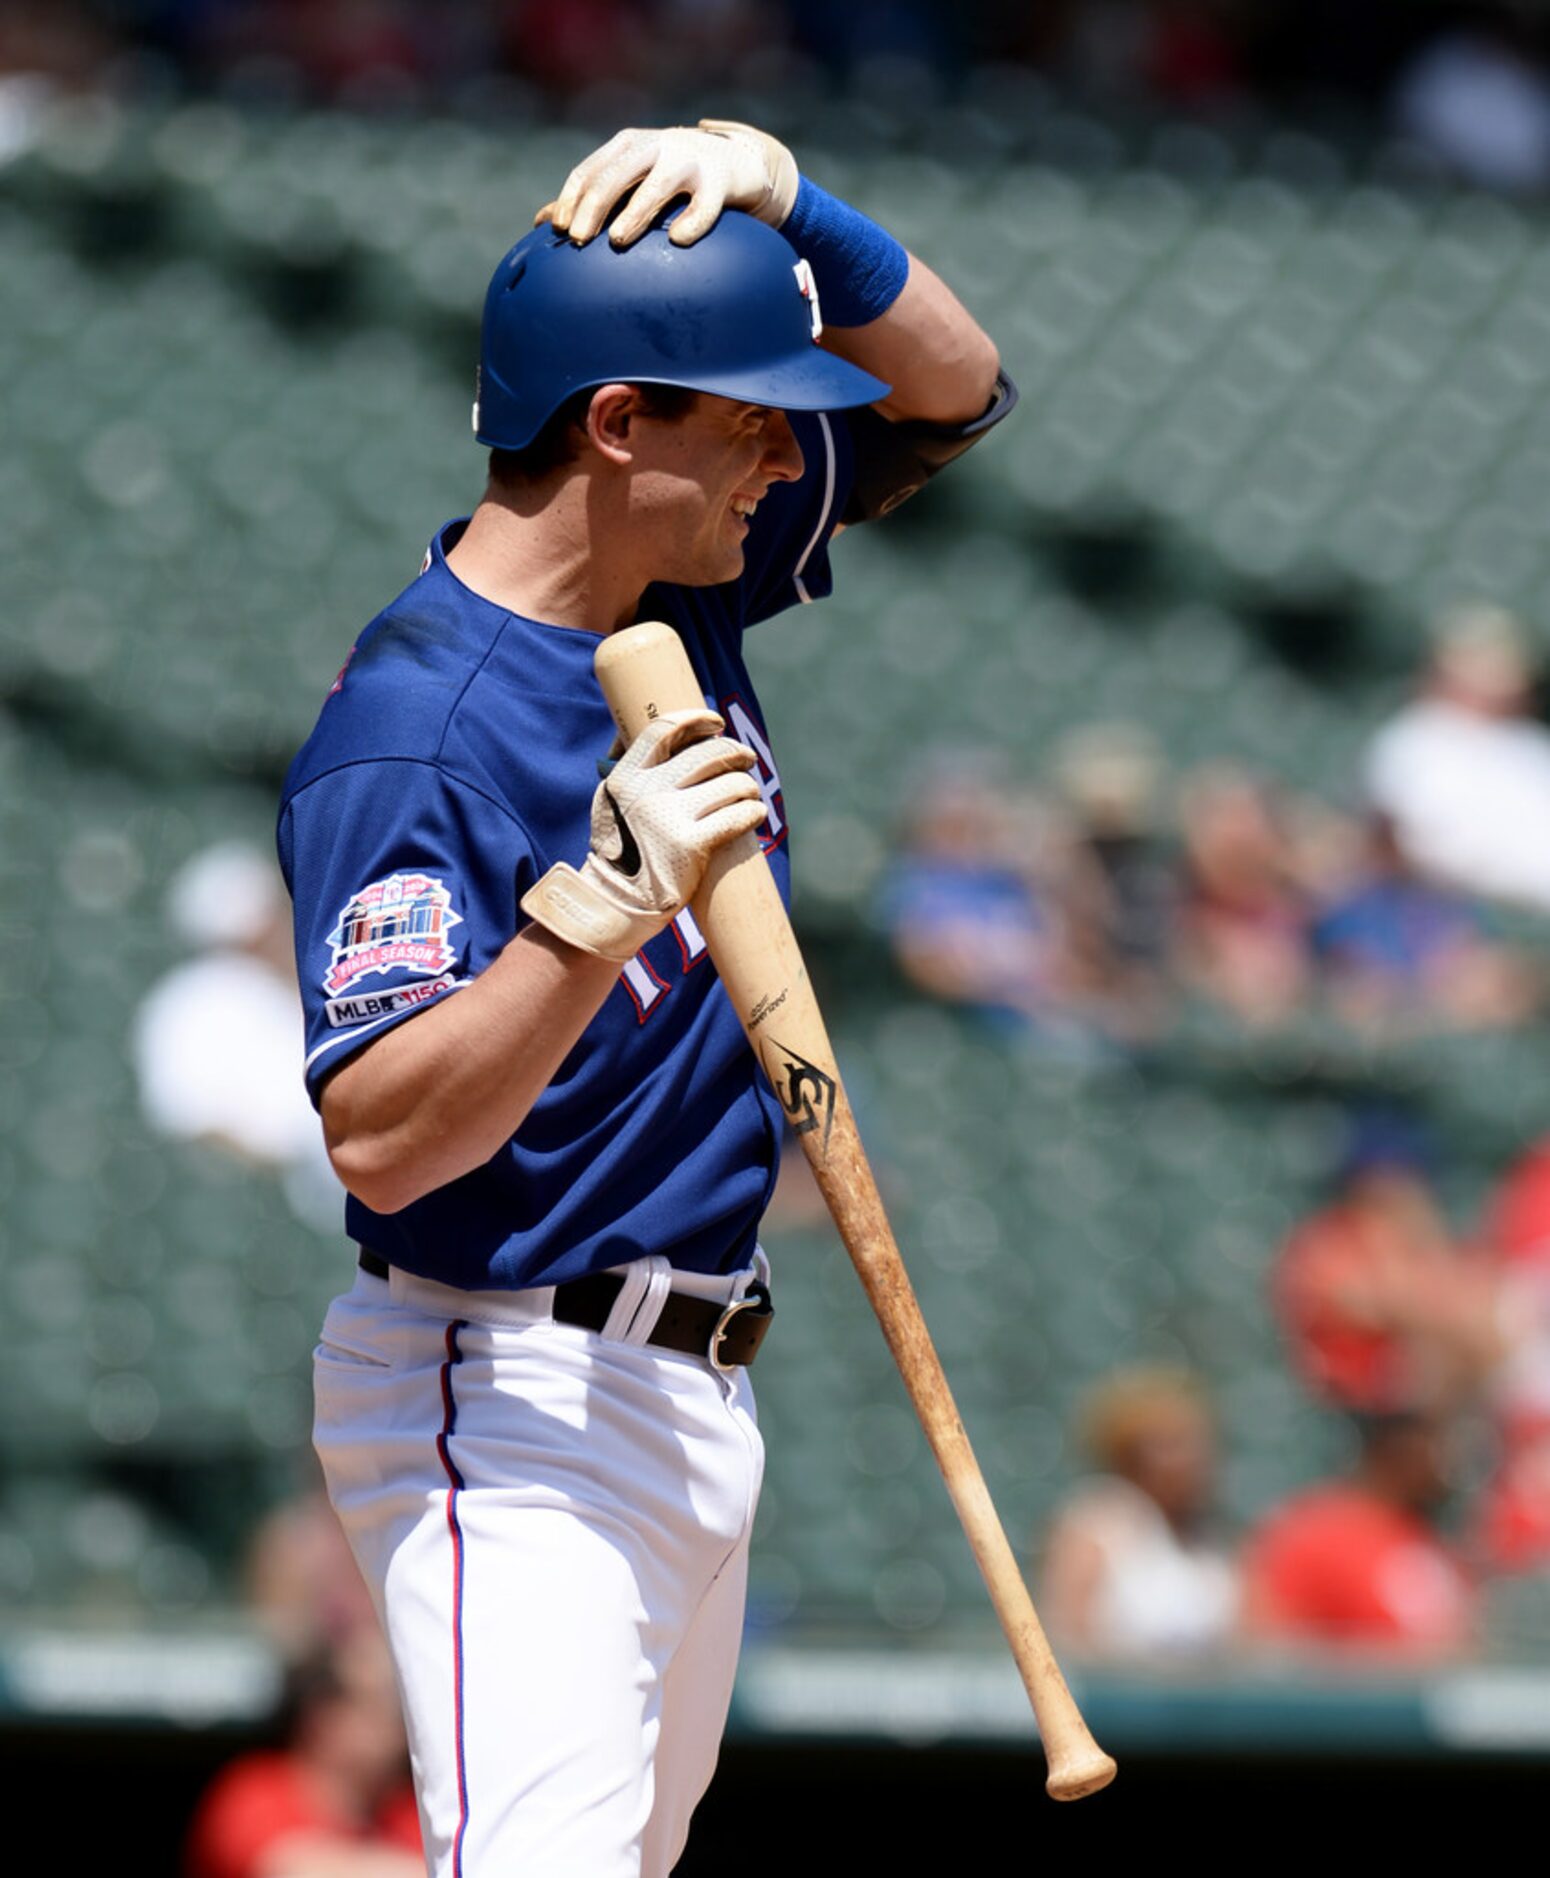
x: 398, y: 924
x: 366, y: 1005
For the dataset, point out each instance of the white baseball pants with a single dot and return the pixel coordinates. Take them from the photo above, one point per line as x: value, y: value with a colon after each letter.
x: 554, y: 1524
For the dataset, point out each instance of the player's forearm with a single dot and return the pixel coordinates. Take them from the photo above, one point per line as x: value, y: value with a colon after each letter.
x: 939, y: 360
x: 437, y: 1096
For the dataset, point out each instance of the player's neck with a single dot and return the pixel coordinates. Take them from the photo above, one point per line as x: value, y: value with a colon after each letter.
x: 542, y: 561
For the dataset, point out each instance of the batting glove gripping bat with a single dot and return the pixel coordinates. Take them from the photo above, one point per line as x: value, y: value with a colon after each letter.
x: 719, y: 165
x: 679, y: 792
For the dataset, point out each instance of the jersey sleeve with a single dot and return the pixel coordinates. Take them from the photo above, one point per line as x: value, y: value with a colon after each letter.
x: 404, y: 882
x: 786, y: 556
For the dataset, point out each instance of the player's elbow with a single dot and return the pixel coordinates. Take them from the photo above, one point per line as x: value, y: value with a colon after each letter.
x: 374, y: 1163
x: 979, y: 367
x: 374, y: 1133
x: 956, y: 382
x: 371, y: 1172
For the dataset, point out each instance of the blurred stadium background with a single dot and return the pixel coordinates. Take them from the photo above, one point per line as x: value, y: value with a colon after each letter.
x: 1285, y: 364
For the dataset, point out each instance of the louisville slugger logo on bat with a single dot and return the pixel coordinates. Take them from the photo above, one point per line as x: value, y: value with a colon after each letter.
x: 805, y: 1092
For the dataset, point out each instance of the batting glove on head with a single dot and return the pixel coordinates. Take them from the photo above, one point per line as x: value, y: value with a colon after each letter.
x: 679, y: 792
x: 718, y: 165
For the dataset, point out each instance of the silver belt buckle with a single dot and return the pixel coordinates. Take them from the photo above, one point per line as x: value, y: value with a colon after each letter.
x: 753, y: 1299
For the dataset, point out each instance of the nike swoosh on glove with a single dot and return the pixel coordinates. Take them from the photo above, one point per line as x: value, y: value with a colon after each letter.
x: 679, y: 792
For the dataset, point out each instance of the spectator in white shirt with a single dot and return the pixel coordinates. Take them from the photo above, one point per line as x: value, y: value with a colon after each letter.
x: 1463, y: 772
x: 1133, y: 1566
x: 218, y: 1039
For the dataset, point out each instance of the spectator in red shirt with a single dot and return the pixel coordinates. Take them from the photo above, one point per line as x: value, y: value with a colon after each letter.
x: 1358, y: 1565
x: 1382, y: 1308
x: 336, y: 1801
x: 1513, y: 1520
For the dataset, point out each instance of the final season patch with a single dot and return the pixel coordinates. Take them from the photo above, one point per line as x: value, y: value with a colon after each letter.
x: 397, y: 924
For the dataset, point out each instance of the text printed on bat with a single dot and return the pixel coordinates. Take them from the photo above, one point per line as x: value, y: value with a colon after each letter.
x: 765, y: 1006
x: 805, y: 1092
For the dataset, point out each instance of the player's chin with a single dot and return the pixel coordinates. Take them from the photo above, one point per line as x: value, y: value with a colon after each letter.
x: 715, y: 567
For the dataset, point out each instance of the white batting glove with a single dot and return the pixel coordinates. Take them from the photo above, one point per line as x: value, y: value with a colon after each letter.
x: 719, y: 165
x: 679, y: 792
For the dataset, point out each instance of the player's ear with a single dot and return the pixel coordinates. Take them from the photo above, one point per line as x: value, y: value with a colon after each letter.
x: 610, y: 421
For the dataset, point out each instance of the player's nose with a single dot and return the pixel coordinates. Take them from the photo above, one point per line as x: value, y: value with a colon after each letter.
x: 782, y: 460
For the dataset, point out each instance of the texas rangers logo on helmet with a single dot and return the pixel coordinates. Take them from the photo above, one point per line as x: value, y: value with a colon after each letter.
x: 808, y: 288
x: 396, y: 924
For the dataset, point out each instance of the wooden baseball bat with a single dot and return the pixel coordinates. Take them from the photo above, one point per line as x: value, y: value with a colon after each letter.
x: 644, y: 671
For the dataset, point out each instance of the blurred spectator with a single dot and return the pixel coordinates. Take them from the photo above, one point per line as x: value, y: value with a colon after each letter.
x: 1246, y: 908
x: 1131, y: 1565
x: 1180, y: 52
x: 335, y: 1800
x: 218, y: 1040
x: 24, y: 109
x: 1517, y: 1236
x: 1512, y: 1524
x: 1118, y: 878
x: 1191, y: 57
x: 1470, y: 86
x: 67, y: 41
x: 570, y: 45
x: 1382, y: 1309
x: 1513, y: 1529
x: 1475, y: 98
x: 1358, y: 1565
x: 907, y: 34
x: 1398, y: 951
x: 302, y: 1582
x: 1463, y: 772
x: 960, y: 905
x: 717, y: 39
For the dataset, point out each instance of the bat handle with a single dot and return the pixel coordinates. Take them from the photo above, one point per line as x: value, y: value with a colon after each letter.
x: 1077, y: 1765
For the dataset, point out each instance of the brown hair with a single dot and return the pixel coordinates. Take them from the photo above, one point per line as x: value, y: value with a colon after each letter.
x: 1120, y: 1410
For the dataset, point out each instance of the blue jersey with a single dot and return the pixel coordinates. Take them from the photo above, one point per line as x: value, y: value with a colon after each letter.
x: 453, y: 763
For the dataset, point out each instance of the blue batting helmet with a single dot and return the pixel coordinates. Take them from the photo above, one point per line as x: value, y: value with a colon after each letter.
x: 735, y: 313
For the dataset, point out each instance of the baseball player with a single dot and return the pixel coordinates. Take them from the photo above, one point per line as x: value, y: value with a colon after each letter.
x: 533, y: 1407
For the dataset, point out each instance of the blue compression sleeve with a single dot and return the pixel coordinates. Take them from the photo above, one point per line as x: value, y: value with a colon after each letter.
x: 860, y: 269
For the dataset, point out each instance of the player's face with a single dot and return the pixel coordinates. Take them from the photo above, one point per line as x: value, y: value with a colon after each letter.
x: 700, y: 478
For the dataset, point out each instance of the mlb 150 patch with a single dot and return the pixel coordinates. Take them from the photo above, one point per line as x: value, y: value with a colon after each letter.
x: 399, y: 923
x: 367, y: 1006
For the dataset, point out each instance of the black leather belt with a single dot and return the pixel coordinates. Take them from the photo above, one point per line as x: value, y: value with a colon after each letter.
x: 726, y: 1335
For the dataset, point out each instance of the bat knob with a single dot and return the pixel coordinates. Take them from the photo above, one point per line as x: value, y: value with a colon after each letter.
x: 1082, y: 1773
